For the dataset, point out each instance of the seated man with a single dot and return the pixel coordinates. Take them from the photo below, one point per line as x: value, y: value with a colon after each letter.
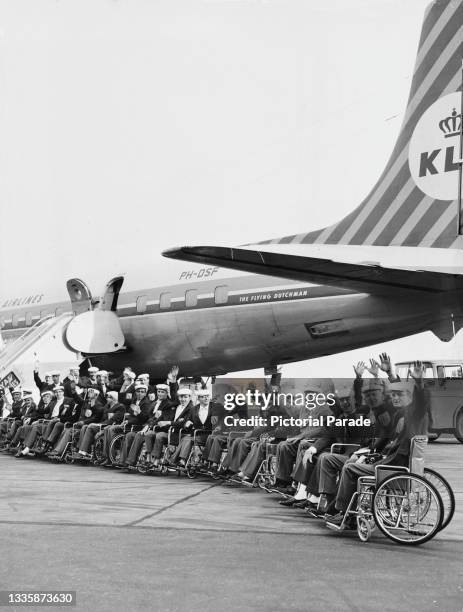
x: 163, y: 409
x: 175, y: 417
x: 33, y: 423
x: 113, y: 414
x: 135, y: 418
x: 412, y: 405
x: 29, y: 414
x: 17, y: 411
x: 330, y: 464
x: 307, y: 469
x: 203, y: 417
x: 287, y: 450
x: 90, y: 410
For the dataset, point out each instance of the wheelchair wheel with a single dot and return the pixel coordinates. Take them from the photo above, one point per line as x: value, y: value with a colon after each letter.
x: 115, y: 448
x: 98, y: 449
x: 445, y: 492
x: 142, y: 465
x: 408, y: 509
x: 363, y: 528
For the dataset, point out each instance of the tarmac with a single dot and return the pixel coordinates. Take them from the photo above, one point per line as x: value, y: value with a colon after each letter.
x: 135, y: 542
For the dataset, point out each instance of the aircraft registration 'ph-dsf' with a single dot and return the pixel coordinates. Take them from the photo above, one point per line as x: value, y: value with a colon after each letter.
x: 391, y: 268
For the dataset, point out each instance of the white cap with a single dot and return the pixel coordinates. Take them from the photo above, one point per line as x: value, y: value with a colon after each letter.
x: 17, y: 390
x: 162, y: 387
x: 130, y: 374
x: 95, y: 391
x: 47, y: 392
x: 184, y: 391
x: 401, y: 385
x: 147, y: 376
x: 203, y: 392
x: 47, y: 374
x: 113, y: 394
x: 92, y: 370
x: 58, y: 388
x: 102, y: 373
x: 55, y: 373
x: 27, y: 392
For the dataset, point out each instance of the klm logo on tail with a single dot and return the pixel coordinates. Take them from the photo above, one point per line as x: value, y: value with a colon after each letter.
x: 414, y: 201
x: 434, y: 149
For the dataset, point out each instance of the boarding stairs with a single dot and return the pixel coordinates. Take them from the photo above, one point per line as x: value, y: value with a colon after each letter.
x: 43, y: 345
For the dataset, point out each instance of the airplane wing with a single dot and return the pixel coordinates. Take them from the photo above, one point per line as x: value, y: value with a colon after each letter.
x: 364, y: 277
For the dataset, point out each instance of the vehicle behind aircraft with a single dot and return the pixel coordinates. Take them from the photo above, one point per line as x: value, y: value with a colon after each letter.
x: 444, y: 379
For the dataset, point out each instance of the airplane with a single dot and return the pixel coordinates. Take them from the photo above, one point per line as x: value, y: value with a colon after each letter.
x: 391, y: 268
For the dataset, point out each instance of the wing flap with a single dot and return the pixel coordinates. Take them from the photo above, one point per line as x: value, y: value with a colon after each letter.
x: 361, y: 277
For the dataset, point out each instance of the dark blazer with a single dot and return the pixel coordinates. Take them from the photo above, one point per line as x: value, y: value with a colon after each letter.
x: 167, y: 408
x: 68, y: 411
x: 169, y: 415
x: 127, y: 396
x: 43, y: 386
x: 31, y: 413
x: 117, y: 410
x: 17, y: 410
x: 137, y: 421
x: 214, y: 419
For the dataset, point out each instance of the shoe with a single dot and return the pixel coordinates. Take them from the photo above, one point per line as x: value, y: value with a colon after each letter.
x: 302, y: 503
x: 337, y: 519
x: 106, y: 463
x: 19, y: 454
x: 287, y: 502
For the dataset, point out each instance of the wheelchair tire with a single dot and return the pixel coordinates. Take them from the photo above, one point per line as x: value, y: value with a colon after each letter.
x: 115, y: 448
x: 446, y: 494
x: 98, y: 449
x: 363, y: 528
x: 407, y: 509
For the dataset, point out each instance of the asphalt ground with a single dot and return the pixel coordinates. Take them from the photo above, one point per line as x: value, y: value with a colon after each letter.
x: 134, y: 542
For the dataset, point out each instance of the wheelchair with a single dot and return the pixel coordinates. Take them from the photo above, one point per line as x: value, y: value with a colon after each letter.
x: 265, y: 475
x: 115, y: 448
x: 219, y: 472
x: 194, y: 461
x: 96, y: 454
x: 143, y: 466
x: 38, y: 446
x: 4, y: 441
x: 409, y: 505
x: 71, y: 448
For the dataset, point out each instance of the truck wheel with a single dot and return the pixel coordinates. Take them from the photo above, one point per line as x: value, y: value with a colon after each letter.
x: 458, y: 433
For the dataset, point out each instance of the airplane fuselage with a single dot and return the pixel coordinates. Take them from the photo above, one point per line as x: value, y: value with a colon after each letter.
x: 213, y: 321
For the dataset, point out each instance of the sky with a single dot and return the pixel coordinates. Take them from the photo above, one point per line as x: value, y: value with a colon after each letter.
x: 132, y: 126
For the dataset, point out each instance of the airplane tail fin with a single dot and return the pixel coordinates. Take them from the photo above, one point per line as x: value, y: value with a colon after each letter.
x: 414, y: 202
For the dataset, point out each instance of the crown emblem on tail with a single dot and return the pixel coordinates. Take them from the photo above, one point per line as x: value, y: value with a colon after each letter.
x: 451, y: 126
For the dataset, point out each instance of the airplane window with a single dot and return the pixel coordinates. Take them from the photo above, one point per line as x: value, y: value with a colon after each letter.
x: 28, y: 319
x: 14, y: 320
x: 165, y: 300
x: 141, y: 303
x: 191, y: 298
x: 221, y: 294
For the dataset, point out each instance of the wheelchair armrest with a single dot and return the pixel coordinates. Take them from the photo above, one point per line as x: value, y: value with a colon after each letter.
x: 344, y: 449
x: 235, y: 434
x: 201, y: 431
x: 383, y: 471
